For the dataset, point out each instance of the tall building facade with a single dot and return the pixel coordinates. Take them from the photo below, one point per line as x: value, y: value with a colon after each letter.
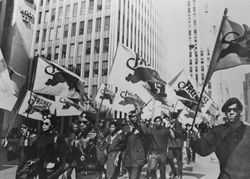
x: 16, y: 28
x: 246, y: 90
x: 200, y: 35
x: 82, y: 35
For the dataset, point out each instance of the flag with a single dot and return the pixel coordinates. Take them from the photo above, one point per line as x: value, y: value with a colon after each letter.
x: 231, y: 47
x: 105, y: 95
x: 187, y: 115
x: 126, y: 101
x: 66, y: 107
x: 7, y: 87
x: 36, y: 106
x: 131, y: 72
x: 186, y: 87
x: 52, y: 79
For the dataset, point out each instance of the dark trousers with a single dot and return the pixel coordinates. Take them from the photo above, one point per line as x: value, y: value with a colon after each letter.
x: 134, y: 172
x: 112, y: 170
x: 175, y: 152
x: 155, y: 160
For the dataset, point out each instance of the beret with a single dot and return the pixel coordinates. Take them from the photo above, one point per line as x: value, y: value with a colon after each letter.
x: 230, y: 102
x: 132, y: 113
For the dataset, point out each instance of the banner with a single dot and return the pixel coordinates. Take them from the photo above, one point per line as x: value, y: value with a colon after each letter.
x: 66, y: 107
x: 7, y: 87
x: 52, y: 79
x: 231, y: 47
x: 187, y: 116
x: 105, y: 95
x: 187, y: 88
x: 35, y: 106
x: 131, y: 72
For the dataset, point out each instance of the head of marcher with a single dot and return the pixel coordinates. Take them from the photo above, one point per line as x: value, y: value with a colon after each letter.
x: 133, y: 116
x: 83, y: 123
x: 47, y: 125
x: 24, y: 129
x: 174, y: 116
x: 113, y: 127
x: 232, y: 109
x: 158, y: 121
x: 75, y: 127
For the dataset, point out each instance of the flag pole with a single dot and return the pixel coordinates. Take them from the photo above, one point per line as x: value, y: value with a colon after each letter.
x: 210, y: 66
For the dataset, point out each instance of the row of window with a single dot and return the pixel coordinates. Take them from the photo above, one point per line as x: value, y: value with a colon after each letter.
x: 95, y: 69
x: 79, y: 49
x: 74, y: 11
x: 73, y: 29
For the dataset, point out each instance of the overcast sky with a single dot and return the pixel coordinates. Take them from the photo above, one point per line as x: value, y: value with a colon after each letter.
x: 176, y: 25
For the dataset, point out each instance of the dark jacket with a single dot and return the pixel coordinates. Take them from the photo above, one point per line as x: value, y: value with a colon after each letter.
x: 231, y: 147
x: 134, y: 155
x: 178, y: 140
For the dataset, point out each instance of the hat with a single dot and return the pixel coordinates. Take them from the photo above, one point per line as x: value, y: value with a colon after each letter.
x: 174, y: 115
x: 230, y: 102
x: 82, y: 118
x: 132, y: 114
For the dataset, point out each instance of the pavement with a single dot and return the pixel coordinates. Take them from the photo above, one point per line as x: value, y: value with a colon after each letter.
x: 203, y: 168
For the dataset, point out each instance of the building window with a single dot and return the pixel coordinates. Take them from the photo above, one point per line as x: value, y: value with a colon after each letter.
x: 106, y: 45
x: 53, y: 15
x: 75, y: 7
x: 108, y: 4
x: 56, y: 52
x: 66, y: 30
x: 86, y: 70
x: 49, y: 53
x: 78, y: 69
x: 67, y: 11
x: 94, y: 90
x: 44, y: 35
x: 43, y: 52
x: 60, y: 11
x: 39, y: 17
x: 41, y: 2
x: 83, y: 5
x: 37, y: 36
x: 79, y: 49
x: 91, y: 5
x: 58, y: 32
x: 107, y: 23
x: 72, y: 49
x: 99, y: 5
x: 46, y: 18
x: 70, y: 67
x: 51, y: 33
x: 35, y: 53
x: 64, y: 49
x: 89, y: 30
x: 105, y: 68
x: 88, y: 47
x: 73, y: 30
x: 81, y: 28
x: 95, y: 69
x: 98, y: 25
x: 97, y: 46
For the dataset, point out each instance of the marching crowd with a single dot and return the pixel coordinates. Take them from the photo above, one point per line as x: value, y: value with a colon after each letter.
x: 110, y: 148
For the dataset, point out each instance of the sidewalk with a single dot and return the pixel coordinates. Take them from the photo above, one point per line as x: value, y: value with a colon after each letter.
x: 7, y: 169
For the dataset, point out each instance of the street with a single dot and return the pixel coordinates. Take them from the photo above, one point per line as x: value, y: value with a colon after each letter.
x: 203, y: 168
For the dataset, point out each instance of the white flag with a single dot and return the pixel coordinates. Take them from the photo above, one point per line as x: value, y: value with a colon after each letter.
x: 105, y: 95
x: 7, y: 87
x: 52, y: 79
x: 35, y: 106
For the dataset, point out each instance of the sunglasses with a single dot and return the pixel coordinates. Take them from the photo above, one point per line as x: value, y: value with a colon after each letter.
x: 230, y: 109
x: 24, y: 127
x: 46, y: 123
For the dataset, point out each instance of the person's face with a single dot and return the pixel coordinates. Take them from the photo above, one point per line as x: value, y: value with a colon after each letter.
x: 75, y: 127
x: 82, y: 126
x: 112, y: 128
x: 133, y: 119
x: 46, y: 125
x: 101, y: 123
x: 24, y: 129
x: 158, y: 122
x: 233, y: 113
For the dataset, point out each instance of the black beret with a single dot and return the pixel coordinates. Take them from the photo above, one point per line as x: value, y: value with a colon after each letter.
x: 230, y: 102
x: 132, y: 114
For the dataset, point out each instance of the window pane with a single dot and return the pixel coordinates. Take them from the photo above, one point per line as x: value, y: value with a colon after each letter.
x: 46, y: 18
x: 73, y: 30
x: 44, y: 35
x: 67, y: 11
x: 106, y: 45
x: 60, y: 11
x: 86, y: 70
x: 66, y: 29
x: 91, y: 5
x: 107, y: 23
x: 83, y: 5
x: 104, y: 68
x: 98, y: 25
x: 94, y: 90
x: 51, y: 33
x: 79, y: 49
x: 64, y: 49
x: 56, y: 52
x: 88, y: 47
x: 78, y: 69
x: 95, y: 69
x: 99, y: 5
x: 75, y: 7
x: 37, y: 36
x: 81, y: 28
x: 58, y: 32
x: 97, y: 46
x: 89, y: 30
x: 53, y: 14
x: 72, y: 49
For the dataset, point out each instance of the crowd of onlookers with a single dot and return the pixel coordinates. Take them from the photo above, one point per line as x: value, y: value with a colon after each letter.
x: 106, y: 149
